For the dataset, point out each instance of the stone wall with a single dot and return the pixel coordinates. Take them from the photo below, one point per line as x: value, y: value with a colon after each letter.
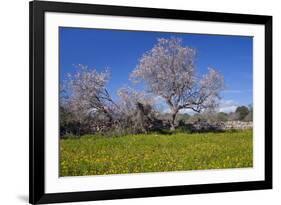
x: 237, y: 125
x: 228, y: 125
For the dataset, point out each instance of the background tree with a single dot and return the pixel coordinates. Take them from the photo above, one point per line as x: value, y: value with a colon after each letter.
x: 232, y: 116
x: 242, y: 112
x: 222, y: 117
x: 249, y: 117
x: 183, y: 117
x: 168, y: 70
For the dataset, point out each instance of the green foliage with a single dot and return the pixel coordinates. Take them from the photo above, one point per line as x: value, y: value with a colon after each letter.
x: 97, y: 155
x: 183, y: 117
x: 222, y: 117
x: 249, y: 117
x: 242, y: 112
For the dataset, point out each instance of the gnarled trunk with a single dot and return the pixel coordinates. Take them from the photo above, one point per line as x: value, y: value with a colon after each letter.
x: 173, y: 120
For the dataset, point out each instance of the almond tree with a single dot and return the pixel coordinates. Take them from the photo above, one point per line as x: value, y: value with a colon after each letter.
x: 136, y: 108
x: 129, y: 98
x: 87, y: 92
x: 168, y: 70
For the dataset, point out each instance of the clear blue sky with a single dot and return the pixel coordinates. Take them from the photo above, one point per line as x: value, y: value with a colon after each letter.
x: 120, y: 51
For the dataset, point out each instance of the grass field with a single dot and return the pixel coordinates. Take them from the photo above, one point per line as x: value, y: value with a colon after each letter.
x: 95, y: 155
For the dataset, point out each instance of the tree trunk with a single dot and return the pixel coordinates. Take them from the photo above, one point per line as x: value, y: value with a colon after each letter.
x: 106, y: 112
x: 173, y: 121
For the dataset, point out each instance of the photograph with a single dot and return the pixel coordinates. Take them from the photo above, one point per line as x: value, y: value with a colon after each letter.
x: 148, y: 101
x: 130, y: 102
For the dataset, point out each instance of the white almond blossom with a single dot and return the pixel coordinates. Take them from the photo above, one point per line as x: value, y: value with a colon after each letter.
x: 87, y: 91
x: 168, y: 70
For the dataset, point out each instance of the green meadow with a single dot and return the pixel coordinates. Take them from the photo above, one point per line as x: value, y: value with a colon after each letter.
x: 154, y: 152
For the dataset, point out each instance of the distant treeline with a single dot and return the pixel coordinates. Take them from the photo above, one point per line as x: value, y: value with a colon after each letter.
x: 242, y: 113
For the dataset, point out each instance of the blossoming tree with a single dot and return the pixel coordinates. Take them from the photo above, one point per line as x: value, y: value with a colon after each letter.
x: 136, y: 108
x: 168, y: 70
x: 88, y: 93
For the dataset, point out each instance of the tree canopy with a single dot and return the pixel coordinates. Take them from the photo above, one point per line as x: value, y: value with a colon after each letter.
x: 169, y: 71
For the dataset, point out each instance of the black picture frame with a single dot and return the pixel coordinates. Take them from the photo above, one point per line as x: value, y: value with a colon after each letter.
x: 37, y: 193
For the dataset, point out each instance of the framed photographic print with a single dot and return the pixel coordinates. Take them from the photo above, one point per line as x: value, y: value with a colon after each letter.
x: 141, y: 102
